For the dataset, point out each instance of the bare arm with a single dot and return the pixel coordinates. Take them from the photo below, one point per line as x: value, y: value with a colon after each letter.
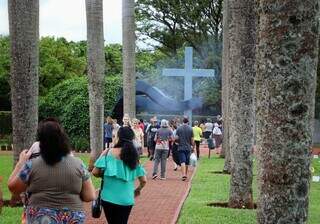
x: 142, y: 183
x: 155, y: 137
x: 15, y: 184
x: 192, y: 143
x: 88, y: 192
x: 96, y: 172
x: 142, y: 139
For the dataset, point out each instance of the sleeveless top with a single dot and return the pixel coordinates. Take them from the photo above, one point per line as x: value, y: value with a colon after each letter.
x: 58, y: 186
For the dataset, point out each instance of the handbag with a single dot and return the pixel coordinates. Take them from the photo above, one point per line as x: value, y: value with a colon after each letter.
x: 96, y: 207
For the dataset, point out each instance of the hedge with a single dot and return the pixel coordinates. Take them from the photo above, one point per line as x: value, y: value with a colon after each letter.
x: 69, y: 102
x: 5, y: 123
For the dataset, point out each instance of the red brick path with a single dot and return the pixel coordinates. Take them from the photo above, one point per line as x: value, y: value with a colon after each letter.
x: 160, y: 201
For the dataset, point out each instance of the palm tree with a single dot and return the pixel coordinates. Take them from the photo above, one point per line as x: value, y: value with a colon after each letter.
x: 241, y: 95
x: 24, y: 50
x: 286, y: 79
x: 96, y: 71
x: 225, y: 87
x: 128, y: 54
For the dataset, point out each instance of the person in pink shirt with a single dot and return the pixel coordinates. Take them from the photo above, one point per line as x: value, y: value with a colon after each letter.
x: 141, y: 124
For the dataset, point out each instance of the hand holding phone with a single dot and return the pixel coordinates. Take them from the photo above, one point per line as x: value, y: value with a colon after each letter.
x: 24, y: 156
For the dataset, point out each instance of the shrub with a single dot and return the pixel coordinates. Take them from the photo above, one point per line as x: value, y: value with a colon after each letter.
x: 80, y: 144
x: 69, y: 102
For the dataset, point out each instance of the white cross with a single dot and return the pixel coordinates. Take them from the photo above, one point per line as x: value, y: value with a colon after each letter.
x: 188, y: 73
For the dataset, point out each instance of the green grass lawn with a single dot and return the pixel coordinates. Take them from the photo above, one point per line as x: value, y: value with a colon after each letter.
x: 208, y: 187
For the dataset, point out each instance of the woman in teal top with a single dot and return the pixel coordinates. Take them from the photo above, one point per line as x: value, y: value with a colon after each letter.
x: 120, y: 168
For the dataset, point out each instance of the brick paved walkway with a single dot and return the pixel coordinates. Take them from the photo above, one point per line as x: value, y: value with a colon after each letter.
x: 160, y: 201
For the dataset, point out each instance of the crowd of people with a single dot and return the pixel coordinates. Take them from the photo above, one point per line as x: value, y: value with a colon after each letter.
x: 48, y: 173
x: 162, y: 138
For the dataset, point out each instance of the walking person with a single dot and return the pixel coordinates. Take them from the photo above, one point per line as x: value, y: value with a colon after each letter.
x: 141, y: 124
x: 197, y: 134
x: 107, y: 128
x: 138, y: 136
x: 126, y: 121
x: 184, y: 137
x: 162, y: 138
x: 115, y: 128
x: 175, y: 153
x: 208, y: 129
x: 119, y: 167
x: 56, y: 183
x: 151, y: 133
x: 217, y: 135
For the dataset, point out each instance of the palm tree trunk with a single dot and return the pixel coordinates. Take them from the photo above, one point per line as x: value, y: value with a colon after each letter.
x: 96, y: 72
x: 225, y: 87
x: 24, y: 38
x: 241, y: 95
x: 286, y: 80
x: 128, y: 54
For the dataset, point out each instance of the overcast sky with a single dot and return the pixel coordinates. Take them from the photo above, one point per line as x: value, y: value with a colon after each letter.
x: 67, y: 18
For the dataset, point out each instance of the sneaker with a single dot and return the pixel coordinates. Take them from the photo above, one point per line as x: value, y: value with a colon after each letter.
x: 162, y: 178
x: 184, y: 178
x: 154, y: 176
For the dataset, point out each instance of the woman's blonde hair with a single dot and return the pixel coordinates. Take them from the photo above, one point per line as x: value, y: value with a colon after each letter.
x: 135, y: 121
x: 126, y: 116
x: 109, y: 120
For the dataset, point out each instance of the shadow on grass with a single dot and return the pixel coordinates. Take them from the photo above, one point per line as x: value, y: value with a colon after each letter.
x: 226, y: 205
x: 224, y: 172
x: 9, y: 203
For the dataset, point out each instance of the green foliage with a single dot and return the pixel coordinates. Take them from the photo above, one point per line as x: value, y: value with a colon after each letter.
x: 5, y: 122
x: 172, y: 24
x: 59, y: 60
x: 4, y: 73
x: 80, y: 144
x: 69, y: 102
x: 113, y: 54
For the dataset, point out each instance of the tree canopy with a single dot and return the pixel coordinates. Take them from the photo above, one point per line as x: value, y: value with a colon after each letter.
x: 171, y: 24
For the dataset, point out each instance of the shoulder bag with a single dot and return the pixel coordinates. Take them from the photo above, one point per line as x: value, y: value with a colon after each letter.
x: 96, y: 207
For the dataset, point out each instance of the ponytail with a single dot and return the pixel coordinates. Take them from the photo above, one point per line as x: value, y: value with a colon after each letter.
x: 129, y: 154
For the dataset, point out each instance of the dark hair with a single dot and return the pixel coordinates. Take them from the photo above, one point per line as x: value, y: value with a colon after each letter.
x: 185, y: 120
x: 128, y: 154
x: 54, y: 143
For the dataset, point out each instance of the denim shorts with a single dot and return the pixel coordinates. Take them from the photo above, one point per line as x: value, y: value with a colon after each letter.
x: 184, y: 156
